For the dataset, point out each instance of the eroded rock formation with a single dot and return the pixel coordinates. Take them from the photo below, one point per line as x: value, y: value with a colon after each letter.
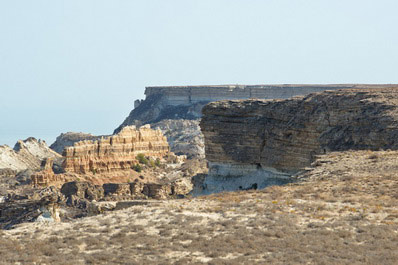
x: 26, y: 154
x: 117, y: 152
x: 107, y: 159
x: 254, y: 143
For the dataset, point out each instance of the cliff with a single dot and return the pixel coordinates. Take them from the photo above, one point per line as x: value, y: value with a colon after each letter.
x: 107, y: 159
x: 166, y: 103
x: 117, y: 152
x: 254, y: 143
x: 26, y: 154
x: 186, y: 102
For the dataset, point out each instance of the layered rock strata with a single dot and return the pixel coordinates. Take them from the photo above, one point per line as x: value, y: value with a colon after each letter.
x: 186, y: 102
x: 166, y: 103
x: 109, y: 158
x: 117, y: 152
x: 46, y: 175
x: 76, y: 192
x: 255, y: 143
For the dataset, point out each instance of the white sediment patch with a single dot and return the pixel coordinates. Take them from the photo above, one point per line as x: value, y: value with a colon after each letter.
x: 232, y: 177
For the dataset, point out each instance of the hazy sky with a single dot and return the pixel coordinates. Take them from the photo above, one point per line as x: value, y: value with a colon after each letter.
x: 78, y: 65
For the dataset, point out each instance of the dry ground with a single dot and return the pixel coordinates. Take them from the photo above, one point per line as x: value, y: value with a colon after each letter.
x: 343, y: 211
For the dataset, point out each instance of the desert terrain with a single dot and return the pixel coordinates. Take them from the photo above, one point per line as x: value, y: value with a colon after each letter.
x: 342, y: 210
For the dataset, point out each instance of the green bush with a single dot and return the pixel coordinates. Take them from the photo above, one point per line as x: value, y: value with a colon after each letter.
x: 142, y: 159
x: 157, y: 162
x: 137, y: 167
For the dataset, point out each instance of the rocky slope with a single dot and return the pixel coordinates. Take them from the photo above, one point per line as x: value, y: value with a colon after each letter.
x: 183, y: 136
x: 26, y: 154
x: 267, y: 141
x: 69, y: 138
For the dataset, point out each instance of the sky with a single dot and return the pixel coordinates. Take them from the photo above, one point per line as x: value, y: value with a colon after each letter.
x: 78, y: 65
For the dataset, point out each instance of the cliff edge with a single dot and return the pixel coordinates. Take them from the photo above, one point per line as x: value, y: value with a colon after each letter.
x: 267, y: 141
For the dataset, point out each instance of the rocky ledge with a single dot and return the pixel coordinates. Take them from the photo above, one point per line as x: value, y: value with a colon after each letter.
x: 256, y: 143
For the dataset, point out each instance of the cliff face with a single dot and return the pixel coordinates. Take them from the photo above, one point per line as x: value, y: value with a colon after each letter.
x: 186, y: 102
x: 26, y: 154
x: 105, y: 160
x: 273, y: 139
x: 117, y: 152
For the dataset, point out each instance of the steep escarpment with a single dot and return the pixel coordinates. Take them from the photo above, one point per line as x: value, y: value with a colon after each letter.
x: 186, y: 102
x: 26, y: 154
x: 273, y: 139
x: 117, y: 152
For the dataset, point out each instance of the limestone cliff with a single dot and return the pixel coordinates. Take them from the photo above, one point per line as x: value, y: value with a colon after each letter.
x: 117, y: 152
x: 264, y: 140
x: 26, y: 154
x: 166, y: 103
x: 186, y: 102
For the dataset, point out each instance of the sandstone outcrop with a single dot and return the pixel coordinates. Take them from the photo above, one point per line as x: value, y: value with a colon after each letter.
x: 113, y: 153
x: 26, y: 154
x: 254, y: 143
x: 105, y: 160
x: 46, y: 175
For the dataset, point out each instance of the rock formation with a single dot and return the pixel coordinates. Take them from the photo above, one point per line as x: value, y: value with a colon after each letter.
x: 115, y: 155
x: 46, y: 176
x: 183, y: 136
x: 186, y: 102
x: 26, y: 154
x: 69, y: 138
x: 78, y: 192
x: 117, y: 152
x: 254, y: 143
x: 165, y: 103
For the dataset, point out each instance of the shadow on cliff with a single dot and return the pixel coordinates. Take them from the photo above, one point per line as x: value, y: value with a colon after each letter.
x: 155, y: 108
